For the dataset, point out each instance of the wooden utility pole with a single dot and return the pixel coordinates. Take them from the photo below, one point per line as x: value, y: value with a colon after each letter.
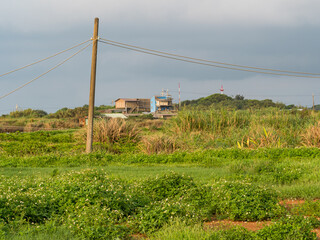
x: 92, y: 85
x: 179, y: 98
x: 313, y: 101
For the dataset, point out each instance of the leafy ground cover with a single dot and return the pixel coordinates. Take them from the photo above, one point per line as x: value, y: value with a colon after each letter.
x: 92, y: 204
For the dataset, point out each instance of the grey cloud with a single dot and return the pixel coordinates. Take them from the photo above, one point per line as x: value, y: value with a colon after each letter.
x: 273, y: 34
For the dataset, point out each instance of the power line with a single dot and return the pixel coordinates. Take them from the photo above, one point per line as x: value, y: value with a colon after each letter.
x: 45, y: 58
x: 5, y: 95
x: 209, y: 61
x: 248, y: 95
x: 206, y: 64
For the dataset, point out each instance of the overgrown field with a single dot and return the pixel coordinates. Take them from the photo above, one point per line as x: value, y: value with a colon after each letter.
x: 97, y: 203
x: 165, y: 179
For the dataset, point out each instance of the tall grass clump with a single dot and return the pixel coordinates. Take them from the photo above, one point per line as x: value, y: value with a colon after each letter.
x: 280, y: 119
x: 258, y: 138
x: 287, y: 125
x: 113, y: 131
x: 256, y: 128
x: 159, y: 144
x: 215, y: 121
x: 310, y: 137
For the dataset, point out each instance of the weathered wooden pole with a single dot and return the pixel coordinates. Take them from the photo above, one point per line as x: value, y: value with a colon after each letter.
x: 312, y: 101
x: 179, y: 98
x: 92, y: 85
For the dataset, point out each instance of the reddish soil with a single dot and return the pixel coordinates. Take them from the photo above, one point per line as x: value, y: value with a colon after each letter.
x: 289, y: 203
x: 292, y: 202
x: 251, y: 226
x: 254, y: 226
x: 225, y: 224
x: 317, y: 231
x: 138, y: 236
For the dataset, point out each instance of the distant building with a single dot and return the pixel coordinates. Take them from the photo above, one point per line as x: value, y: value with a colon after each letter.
x: 161, y: 103
x: 130, y: 105
x: 115, y: 115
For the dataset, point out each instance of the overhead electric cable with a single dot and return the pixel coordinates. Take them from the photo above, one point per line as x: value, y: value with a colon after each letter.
x: 145, y: 50
x: 58, y: 65
x: 249, y: 95
x: 45, y: 58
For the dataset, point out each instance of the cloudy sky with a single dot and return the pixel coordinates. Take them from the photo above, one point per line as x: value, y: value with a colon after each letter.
x: 281, y: 34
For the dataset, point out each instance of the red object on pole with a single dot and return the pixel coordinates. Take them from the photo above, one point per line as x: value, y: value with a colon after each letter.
x: 221, y: 89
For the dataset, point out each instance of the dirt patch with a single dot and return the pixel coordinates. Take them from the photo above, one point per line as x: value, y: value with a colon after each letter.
x: 138, y: 236
x: 251, y: 226
x: 317, y: 231
x: 289, y: 203
x: 226, y: 224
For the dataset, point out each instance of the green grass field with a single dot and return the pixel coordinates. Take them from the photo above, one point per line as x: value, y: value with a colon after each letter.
x: 164, y: 180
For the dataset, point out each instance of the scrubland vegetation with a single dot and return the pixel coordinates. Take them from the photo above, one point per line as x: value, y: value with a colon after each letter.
x: 165, y: 179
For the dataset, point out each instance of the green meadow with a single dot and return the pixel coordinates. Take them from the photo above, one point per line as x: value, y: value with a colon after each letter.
x: 165, y: 179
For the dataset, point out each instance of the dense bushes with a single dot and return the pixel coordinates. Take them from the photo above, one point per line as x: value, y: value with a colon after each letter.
x: 246, y: 201
x: 290, y: 227
x: 70, y: 113
x: 28, y: 113
x: 218, y: 101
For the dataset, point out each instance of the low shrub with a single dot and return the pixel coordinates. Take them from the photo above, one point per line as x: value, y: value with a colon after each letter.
x: 171, y: 185
x: 156, y: 214
x: 178, y: 229
x: 96, y: 222
x: 309, y: 208
x: 246, y: 201
x: 291, y: 227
